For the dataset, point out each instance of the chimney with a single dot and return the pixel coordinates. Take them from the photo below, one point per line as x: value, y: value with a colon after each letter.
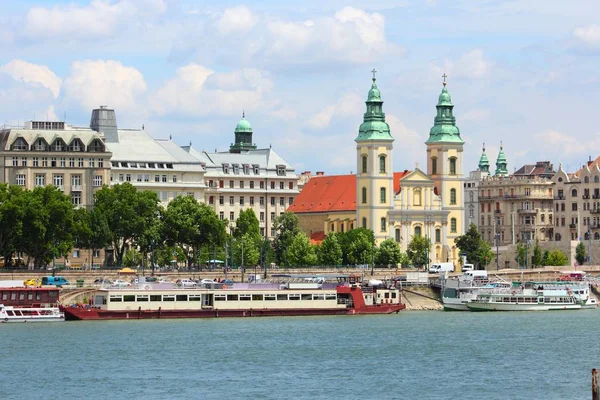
x: 320, y: 173
x: 104, y: 120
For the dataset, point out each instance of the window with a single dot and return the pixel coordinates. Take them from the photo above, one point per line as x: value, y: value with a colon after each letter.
x: 452, y: 196
x: 282, y: 201
x: 15, y: 162
x: 97, y: 182
x: 382, y: 164
x: 221, y: 184
x: 231, y: 216
x: 438, y: 235
x: 397, y: 235
x: 382, y: 196
x: 364, y: 222
x: 596, y: 179
x: 20, y: 144
x: 35, y: 162
x: 574, y: 193
x: 251, y: 184
x: 291, y: 185
x: 262, y: 184
x: 71, y: 162
x: 262, y: 201
x: 76, y: 199
x: 221, y: 215
x: 290, y: 201
x: 281, y: 170
x: 383, y: 224
x: 255, y: 169
x: 23, y: 161
x: 272, y: 184
x: 241, y: 200
x: 246, y: 169
x: 364, y: 195
x: 76, y: 182
x: 230, y: 200
x: 453, y: 225
x: 163, y: 178
x: 573, y: 206
x: 251, y: 200
x: 40, y: 180
x: 272, y: 216
x: 92, y: 163
x: 262, y: 216
x: 211, y: 200
x: 174, y: 178
x: 241, y: 184
x: 57, y: 180
x: 231, y: 184
x: 225, y: 168
x: 156, y: 178
x: 452, y: 165
x: 221, y: 200
x: 272, y: 201
x: 433, y: 165
x: 417, y: 231
x: 364, y: 164
x: 100, y: 163
x: 80, y: 162
x: 20, y: 179
x: 281, y: 185
x: 139, y: 177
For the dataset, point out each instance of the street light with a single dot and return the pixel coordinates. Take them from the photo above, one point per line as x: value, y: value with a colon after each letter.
x: 497, y: 236
x: 373, y: 256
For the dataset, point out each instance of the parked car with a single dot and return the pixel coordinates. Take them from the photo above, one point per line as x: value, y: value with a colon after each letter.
x: 186, y: 283
x: 207, y: 281
x: 102, y: 281
x: 120, y: 283
x: 227, y: 282
x: 30, y: 282
x: 57, y: 281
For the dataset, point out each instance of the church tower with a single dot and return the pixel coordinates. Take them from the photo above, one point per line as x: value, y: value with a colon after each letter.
x: 484, y: 163
x: 374, y: 173
x: 445, y: 167
x: 243, y: 137
x: 501, y: 163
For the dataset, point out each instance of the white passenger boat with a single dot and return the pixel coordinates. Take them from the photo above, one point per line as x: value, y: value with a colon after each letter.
x: 30, y: 314
x: 457, y: 292
x: 530, y: 296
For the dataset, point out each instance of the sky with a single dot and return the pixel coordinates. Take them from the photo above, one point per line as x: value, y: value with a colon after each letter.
x: 523, y: 73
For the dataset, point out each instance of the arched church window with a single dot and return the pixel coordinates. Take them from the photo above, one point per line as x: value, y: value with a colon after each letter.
x: 471, y: 197
x: 574, y: 193
x: 417, y: 197
x: 382, y: 195
x: 397, y: 235
x: 417, y: 231
x: 438, y: 235
x: 434, y: 166
x: 364, y: 222
x: 364, y: 195
x: 452, y: 196
x: 364, y: 164
x: 453, y: 225
x: 452, y: 165
x: 382, y: 164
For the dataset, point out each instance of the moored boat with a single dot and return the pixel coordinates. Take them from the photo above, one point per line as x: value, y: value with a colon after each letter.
x: 30, y: 314
x: 238, y: 300
x: 457, y: 292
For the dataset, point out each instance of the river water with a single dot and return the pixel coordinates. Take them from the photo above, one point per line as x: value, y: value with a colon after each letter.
x: 412, y: 355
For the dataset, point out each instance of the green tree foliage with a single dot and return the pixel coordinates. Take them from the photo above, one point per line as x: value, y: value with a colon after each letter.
x: 286, y: 229
x: 404, y: 260
x: 389, y: 253
x: 537, y: 259
x: 417, y: 250
x: 12, y: 210
x: 330, y: 251
x: 580, y: 253
x: 478, y: 251
x: 545, y: 258
x: 246, y: 223
x: 249, y: 246
x: 521, y: 255
x: 557, y: 258
x: 300, y: 252
x: 47, y: 225
x: 357, y: 246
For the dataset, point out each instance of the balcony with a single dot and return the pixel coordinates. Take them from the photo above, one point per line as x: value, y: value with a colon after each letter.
x: 585, y: 196
x: 595, y: 211
x: 596, y: 196
x: 572, y: 226
x: 498, y: 211
x: 559, y: 197
x: 526, y: 211
x: 76, y: 188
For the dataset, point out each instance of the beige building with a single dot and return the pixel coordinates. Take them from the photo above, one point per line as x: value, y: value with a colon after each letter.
x: 73, y: 159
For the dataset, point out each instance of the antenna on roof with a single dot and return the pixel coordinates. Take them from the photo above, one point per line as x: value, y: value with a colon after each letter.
x: 190, y: 143
x: 143, y: 127
x: 170, y: 137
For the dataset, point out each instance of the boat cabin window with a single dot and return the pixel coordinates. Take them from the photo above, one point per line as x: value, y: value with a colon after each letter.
x: 115, y: 298
x: 129, y: 298
x: 4, y: 296
x: 182, y: 297
x: 332, y: 296
x: 270, y: 297
x: 393, y: 295
x: 232, y: 297
x: 220, y: 297
x: 245, y: 297
x: 294, y: 297
x: 306, y: 296
x: 21, y: 296
x: 318, y: 297
x: 169, y: 297
x: 194, y: 297
x: 155, y: 297
x: 282, y: 297
x: 38, y: 296
x: 142, y: 297
x: 257, y: 297
x: 13, y: 296
x: 29, y: 296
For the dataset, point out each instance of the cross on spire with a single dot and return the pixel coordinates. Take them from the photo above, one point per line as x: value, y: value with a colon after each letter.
x: 444, y: 76
x: 243, y: 114
x: 483, y: 146
x: 374, y: 72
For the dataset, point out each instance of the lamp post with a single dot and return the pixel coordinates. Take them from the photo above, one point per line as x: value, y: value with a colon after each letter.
x: 497, y: 237
x: 265, y: 244
x: 373, y: 256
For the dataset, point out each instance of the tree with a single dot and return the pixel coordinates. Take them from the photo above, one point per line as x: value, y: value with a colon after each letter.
x: 300, y: 252
x: 417, y: 250
x: 477, y: 250
x: 545, y: 258
x: 404, y: 260
x: 128, y: 213
x: 250, y: 247
x: 537, y: 259
x: 580, y: 253
x: 286, y: 229
x: 389, y: 253
x: 47, y: 225
x: 357, y: 246
x: 12, y: 209
x: 330, y: 252
x: 557, y: 258
x: 521, y: 255
x: 246, y: 223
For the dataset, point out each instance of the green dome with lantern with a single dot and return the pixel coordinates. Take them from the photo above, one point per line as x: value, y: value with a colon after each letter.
x: 444, y: 129
x: 243, y: 136
x: 374, y: 126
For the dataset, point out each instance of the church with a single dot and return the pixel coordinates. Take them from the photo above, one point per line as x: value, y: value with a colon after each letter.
x: 397, y: 205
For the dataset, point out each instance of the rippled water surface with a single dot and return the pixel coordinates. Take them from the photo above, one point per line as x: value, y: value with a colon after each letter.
x: 412, y: 355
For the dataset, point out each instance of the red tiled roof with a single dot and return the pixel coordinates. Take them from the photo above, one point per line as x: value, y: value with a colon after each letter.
x: 332, y: 193
x: 317, y: 237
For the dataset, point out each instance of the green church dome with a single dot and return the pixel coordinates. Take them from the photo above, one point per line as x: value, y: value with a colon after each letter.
x: 444, y: 129
x: 243, y: 125
x: 444, y: 99
x: 374, y: 126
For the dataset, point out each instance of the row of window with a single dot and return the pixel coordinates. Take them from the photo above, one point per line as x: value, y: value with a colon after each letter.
x: 144, y: 178
x: 281, y: 171
x: 129, y: 164
x: 58, y: 145
x: 365, y: 164
x: 276, y: 297
x: 416, y: 196
x: 242, y: 200
x: 56, y: 162
x: 261, y: 217
x: 57, y: 180
x: 251, y: 184
x: 383, y: 228
x: 451, y: 165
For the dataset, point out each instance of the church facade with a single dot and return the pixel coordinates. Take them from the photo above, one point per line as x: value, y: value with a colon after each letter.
x: 392, y: 204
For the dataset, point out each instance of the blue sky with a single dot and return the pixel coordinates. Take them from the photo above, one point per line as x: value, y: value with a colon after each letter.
x: 520, y: 72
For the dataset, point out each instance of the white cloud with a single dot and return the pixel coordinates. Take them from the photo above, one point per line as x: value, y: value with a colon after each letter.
x: 98, y: 19
x: 558, y: 143
x: 199, y: 91
x: 33, y: 74
x: 589, y: 35
x: 349, y: 104
x: 235, y: 20
x: 476, y: 115
x: 471, y: 65
x: 98, y: 82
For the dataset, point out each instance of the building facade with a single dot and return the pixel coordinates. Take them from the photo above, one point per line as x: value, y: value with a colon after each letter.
x: 471, y: 188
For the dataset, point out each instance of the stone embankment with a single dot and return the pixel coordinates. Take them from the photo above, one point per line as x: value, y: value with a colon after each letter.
x: 420, y: 299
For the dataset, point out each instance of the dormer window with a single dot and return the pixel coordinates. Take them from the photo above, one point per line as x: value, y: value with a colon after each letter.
x: 256, y: 169
x: 96, y: 146
x: 246, y: 169
x: 40, y: 145
x: 236, y: 169
x: 225, y: 168
x: 20, y: 144
x: 76, y: 145
x: 281, y: 170
x: 59, y: 145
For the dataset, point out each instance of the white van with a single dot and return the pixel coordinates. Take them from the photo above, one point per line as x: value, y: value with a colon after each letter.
x: 471, y: 275
x: 468, y: 267
x: 441, y: 267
